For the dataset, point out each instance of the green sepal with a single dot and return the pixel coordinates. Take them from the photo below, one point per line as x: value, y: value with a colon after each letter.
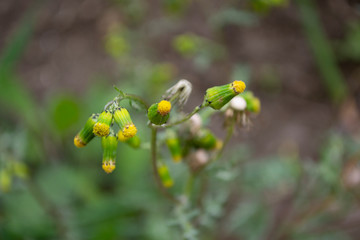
x: 165, y: 176
x: 252, y: 103
x: 134, y: 142
x: 122, y: 117
x: 86, y: 133
x: 109, y: 146
x: 173, y: 143
x: 204, y: 139
x: 217, y: 97
x: 155, y: 117
x: 105, y: 117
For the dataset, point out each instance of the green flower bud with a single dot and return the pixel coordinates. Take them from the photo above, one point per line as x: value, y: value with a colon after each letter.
x: 217, y: 97
x: 123, y: 119
x: 86, y: 133
x: 159, y: 113
x: 205, y: 139
x: 165, y: 177
x: 109, y: 146
x: 253, y: 103
x: 102, y: 127
x: 173, y: 143
x: 134, y: 141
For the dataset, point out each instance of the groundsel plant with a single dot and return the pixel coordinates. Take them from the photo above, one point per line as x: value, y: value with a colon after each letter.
x: 184, y: 135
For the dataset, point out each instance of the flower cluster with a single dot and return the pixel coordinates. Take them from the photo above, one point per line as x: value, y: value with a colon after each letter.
x: 187, y: 138
x: 102, y: 125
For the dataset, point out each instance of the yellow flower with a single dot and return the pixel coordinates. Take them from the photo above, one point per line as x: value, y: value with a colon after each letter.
x: 108, y: 166
x: 102, y: 127
x: 129, y: 131
x: 164, y: 107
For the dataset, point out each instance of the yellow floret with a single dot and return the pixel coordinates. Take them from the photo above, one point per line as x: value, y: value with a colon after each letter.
x: 256, y: 105
x: 219, y: 144
x: 108, y: 166
x: 168, y: 183
x: 164, y: 107
x: 121, y: 136
x: 77, y: 142
x: 101, y: 129
x: 176, y: 158
x: 238, y: 86
x: 129, y: 131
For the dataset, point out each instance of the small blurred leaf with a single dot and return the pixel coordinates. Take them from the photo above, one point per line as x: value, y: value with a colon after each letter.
x: 249, y: 220
x: 186, y: 44
x: 65, y: 112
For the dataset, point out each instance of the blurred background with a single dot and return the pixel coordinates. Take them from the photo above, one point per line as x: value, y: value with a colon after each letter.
x: 294, y: 174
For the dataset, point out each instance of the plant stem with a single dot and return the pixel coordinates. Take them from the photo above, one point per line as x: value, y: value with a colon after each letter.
x: 189, y: 185
x: 154, y: 166
x: 229, y: 134
x: 137, y: 99
x: 187, y: 117
x: 133, y: 97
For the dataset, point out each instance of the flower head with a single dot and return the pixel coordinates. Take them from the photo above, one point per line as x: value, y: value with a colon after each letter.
x: 164, y: 107
x: 157, y: 115
x: 102, y: 127
x: 217, y: 97
x: 109, y: 146
x: 165, y: 177
x: 123, y: 119
x: 86, y: 133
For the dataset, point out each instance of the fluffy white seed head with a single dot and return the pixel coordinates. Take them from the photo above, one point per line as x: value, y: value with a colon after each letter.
x: 195, y: 123
x: 238, y: 103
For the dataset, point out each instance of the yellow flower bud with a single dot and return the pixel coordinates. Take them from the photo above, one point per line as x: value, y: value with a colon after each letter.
x: 86, y: 133
x: 165, y: 177
x: 102, y: 127
x: 164, y: 107
x: 109, y: 145
x: 123, y: 119
x: 217, y: 97
x: 159, y: 113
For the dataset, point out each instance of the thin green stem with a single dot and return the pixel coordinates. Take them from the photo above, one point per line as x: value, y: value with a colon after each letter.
x: 154, y: 166
x: 133, y: 97
x: 137, y: 99
x: 187, y: 117
x: 229, y: 134
x: 189, y: 185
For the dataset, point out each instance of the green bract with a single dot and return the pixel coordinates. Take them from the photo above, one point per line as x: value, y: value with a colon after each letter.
x: 109, y: 145
x: 155, y: 117
x: 217, y: 97
x: 86, y: 133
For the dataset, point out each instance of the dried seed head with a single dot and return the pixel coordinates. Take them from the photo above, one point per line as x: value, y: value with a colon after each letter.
x: 183, y: 88
x: 195, y: 123
x: 198, y: 160
x: 238, y: 103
